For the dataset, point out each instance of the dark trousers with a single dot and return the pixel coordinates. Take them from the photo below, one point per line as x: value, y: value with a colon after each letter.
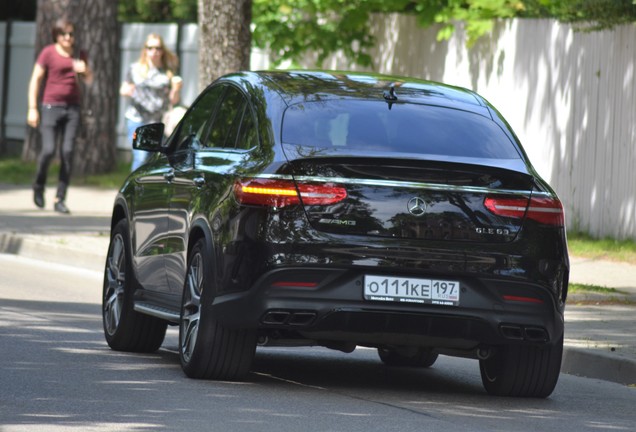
x: 56, y: 121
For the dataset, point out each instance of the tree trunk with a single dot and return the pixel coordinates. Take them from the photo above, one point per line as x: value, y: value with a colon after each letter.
x: 96, y: 145
x: 225, y: 38
x: 97, y: 33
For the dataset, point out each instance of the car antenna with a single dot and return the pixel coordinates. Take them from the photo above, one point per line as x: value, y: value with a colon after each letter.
x: 390, y: 96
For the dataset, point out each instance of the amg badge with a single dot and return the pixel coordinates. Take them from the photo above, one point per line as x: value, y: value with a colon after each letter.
x: 337, y: 222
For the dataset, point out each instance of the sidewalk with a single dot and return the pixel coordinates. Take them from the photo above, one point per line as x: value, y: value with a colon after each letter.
x: 80, y: 238
x: 600, y: 338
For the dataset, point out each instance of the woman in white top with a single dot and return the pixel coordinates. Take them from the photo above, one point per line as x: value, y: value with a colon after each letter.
x: 152, y: 86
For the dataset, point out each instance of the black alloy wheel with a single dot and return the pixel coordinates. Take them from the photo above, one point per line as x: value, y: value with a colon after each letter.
x: 124, y: 328
x: 207, y: 349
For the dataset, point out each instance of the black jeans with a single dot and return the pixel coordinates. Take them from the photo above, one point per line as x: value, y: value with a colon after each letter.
x: 55, y: 120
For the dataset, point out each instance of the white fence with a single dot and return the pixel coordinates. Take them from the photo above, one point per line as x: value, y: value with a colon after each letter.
x: 569, y: 96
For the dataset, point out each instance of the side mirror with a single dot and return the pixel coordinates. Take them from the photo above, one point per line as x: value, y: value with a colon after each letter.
x: 149, y: 138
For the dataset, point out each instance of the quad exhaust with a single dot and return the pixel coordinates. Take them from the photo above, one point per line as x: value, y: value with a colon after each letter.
x: 289, y: 318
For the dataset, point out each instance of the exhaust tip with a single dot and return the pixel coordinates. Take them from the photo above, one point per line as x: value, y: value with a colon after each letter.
x: 301, y: 318
x: 512, y: 332
x: 536, y: 334
x: 289, y: 318
x: 523, y: 333
x: 275, y: 317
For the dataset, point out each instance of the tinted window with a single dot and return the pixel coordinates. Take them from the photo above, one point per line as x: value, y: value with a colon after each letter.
x: 248, y: 135
x: 228, y: 120
x: 405, y: 128
x: 195, y: 123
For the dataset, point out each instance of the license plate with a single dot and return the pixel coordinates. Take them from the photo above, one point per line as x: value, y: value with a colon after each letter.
x: 411, y: 290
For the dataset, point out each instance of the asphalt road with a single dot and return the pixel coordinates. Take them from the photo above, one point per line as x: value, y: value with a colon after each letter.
x: 58, y: 374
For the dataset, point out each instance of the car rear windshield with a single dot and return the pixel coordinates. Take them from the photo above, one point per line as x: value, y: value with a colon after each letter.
x: 404, y: 128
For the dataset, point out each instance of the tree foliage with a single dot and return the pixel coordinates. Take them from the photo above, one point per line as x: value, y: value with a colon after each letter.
x: 478, y: 15
x: 157, y: 10
x: 289, y: 28
x: 584, y: 14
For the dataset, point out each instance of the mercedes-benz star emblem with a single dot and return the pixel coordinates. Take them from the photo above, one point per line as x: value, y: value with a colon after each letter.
x: 416, y: 206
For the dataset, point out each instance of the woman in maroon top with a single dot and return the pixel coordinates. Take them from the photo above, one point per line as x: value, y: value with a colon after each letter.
x: 59, y: 72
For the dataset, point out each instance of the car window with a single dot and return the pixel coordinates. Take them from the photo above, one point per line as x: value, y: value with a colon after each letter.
x: 196, y: 121
x: 405, y: 128
x: 248, y: 135
x: 227, y: 122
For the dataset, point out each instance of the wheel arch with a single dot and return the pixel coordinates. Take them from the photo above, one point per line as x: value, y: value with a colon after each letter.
x: 120, y: 211
x: 118, y: 214
x: 200, y: 229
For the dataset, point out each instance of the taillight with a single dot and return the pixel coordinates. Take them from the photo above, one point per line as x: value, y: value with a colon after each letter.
x: 281, y: 193
x: 545, y: 210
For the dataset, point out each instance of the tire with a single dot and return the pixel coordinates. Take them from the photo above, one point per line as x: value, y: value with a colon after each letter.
x: 207, y: 349
x: 407, y: 357
x: 124, y: 328
x: 522, y: 370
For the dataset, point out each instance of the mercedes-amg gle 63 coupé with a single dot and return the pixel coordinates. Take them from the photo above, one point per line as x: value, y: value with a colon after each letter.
x: 342, y: 210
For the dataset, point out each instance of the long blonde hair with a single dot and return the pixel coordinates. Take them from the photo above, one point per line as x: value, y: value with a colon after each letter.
x: 169, y: 60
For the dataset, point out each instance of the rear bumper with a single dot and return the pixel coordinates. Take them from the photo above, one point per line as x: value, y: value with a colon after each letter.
x: 328, y: 305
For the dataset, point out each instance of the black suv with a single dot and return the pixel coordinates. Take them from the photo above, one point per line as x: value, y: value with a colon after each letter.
x: 340, y: 209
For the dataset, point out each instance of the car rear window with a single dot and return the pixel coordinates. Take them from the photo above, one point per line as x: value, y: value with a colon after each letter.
x: 405, y: 128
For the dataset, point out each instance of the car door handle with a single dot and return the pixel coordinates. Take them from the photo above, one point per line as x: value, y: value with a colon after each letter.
x: 169, y: 176
x: 199, y: 182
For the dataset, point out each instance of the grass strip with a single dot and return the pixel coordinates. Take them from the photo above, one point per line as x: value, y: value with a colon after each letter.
x: 16, y: 172
x: 593, y: 289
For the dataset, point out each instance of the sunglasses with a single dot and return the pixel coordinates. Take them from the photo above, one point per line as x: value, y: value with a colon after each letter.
x: 151, y: 48
x: 67, y: 34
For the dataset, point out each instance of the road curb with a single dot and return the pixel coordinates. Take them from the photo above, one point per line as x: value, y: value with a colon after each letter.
x: 598, y: 365
x: 599, y: 298
x: 57, y: 249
